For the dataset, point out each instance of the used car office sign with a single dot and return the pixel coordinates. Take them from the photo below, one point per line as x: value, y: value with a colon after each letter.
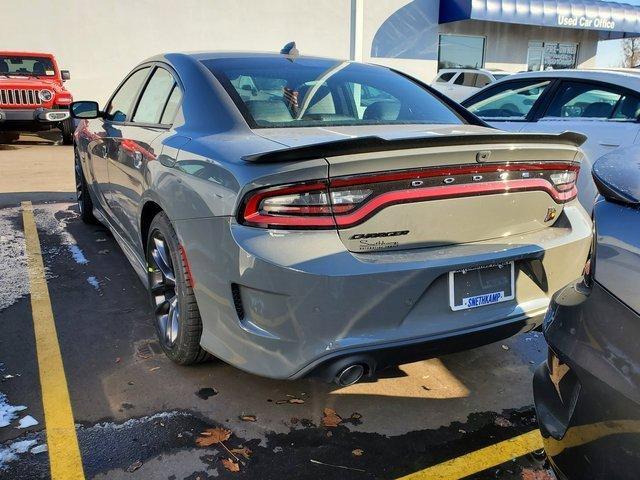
x: 618, y: 19
x: 586, y: 22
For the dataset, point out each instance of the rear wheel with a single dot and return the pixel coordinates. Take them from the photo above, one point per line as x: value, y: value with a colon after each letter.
x: 176, y: 315
x: 85, y: 204
x: 67, y: 131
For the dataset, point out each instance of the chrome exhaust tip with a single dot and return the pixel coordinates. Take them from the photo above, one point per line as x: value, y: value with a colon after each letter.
x: 350, y: 375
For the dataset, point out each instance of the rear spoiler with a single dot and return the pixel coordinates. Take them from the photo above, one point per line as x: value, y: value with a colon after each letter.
x: 351, y: 146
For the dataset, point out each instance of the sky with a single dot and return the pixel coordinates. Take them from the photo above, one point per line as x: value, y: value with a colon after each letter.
x: 610, y: 51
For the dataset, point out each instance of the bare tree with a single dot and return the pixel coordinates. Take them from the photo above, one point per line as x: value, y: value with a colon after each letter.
x: 631, y: 52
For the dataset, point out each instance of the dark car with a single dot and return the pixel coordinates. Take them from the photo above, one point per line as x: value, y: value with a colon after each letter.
x: 587, y: 394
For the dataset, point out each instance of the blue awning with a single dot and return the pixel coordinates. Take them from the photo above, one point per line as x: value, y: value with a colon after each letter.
x: 618, y: 19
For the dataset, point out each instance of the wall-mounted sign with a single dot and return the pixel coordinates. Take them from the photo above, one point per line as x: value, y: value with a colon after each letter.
x: 586, y: 22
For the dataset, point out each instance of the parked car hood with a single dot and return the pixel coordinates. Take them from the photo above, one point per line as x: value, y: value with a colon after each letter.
x: 29, y: 82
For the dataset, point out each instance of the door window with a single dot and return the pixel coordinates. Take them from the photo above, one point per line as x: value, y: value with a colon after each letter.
x: 445, y: 77
x: 172, y: 106
x: 482, y: 80
x: 154, y: 98
x: 508, y: 101
x: 121, y: 104
x: 466, y: 79
x: 583, y: 100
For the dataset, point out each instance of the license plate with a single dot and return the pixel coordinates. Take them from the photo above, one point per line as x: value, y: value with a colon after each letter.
x: 480, y: 286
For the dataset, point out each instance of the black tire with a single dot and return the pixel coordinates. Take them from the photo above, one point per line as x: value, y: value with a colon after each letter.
x: 85, y: 204
x: 67, y: 131
x: 185, y: 348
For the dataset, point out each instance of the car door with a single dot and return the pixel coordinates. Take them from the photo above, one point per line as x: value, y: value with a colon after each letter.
x: 605, y: 113
x: 510, y: 105
x: 109, y: 131
x: 141, y: 143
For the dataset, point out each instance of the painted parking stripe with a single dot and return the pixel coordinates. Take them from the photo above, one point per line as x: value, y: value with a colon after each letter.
x: 480, y: 460
x: 62, y: 442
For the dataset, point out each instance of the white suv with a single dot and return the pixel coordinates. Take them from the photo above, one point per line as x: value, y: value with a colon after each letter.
x: 460, y: 83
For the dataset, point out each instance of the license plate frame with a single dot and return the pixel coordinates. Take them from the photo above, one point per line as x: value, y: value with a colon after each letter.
x: 484, y: 298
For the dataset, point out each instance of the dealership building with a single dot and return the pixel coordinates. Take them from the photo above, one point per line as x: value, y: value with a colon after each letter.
x: 101, y: 44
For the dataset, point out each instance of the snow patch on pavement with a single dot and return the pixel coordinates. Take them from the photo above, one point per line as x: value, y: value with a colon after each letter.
x: 48, y: 224
x: 8, y: 412
x: 14, y: 281
x: 27, y: 421
x: 93, y: 281
x: 10, y: 453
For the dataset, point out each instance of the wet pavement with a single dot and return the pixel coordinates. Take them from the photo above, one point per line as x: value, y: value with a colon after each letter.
x: 139, y: 416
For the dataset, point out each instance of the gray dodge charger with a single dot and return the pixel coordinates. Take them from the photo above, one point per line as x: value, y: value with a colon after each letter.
x: 293, y: 214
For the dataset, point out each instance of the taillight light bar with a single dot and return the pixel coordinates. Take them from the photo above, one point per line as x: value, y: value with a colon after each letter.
x: 347, y: 201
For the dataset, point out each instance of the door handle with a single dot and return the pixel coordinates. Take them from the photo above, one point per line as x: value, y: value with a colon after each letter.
x: 137, y: 159
x: 608, y: 144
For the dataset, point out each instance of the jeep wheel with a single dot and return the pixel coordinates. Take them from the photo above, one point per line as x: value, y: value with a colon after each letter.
x: 175, y: 311
x: 67, y: 131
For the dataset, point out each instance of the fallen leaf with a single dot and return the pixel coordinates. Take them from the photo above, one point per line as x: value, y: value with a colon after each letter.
x: 212, y: 436
x: 529, y: 474
x: 502, y: 422
x: 134, y: 466
x: 505, y: 347
x: 154, y: 369
x: 244, y: 451
x: 230, y: 465
x: 248, y: 418
x: 357, y: 452
x: 294, y: 420
x: 330, y: 418
x: 118, y: 360
x: 356, y: 416
x: 296, y: 401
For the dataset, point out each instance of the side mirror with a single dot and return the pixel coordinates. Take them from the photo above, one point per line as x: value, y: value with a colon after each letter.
x: 85, y: 110
x: 617, y: 176
x: 66, y: 75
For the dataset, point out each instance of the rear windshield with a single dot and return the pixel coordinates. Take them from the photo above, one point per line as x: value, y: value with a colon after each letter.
x: 281, y: 92
x: 27, y: 66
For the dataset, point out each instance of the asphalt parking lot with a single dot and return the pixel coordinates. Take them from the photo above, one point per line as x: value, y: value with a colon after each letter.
x: 138, y: 416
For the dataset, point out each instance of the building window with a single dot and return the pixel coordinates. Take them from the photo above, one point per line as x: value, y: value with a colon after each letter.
x: 460, y: 51
x: 551, y: 56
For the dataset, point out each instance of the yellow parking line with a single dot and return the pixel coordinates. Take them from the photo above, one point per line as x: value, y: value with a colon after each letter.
x: 62, y: 442
x: 482, y: 459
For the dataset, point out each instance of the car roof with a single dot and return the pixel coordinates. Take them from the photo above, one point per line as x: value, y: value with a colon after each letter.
x: 627, y: 77
x: 481, y: 70
x: 213, y: 55
x: 10, y: 53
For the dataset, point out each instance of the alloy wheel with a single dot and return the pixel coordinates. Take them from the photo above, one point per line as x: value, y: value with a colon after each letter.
x: 162, y: 280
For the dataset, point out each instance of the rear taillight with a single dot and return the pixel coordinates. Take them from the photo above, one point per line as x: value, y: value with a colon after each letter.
x: 347, y: 201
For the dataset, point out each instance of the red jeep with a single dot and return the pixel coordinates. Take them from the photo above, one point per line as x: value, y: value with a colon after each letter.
x: 32, y: 96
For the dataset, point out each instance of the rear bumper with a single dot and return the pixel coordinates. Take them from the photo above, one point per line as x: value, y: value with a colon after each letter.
x: 31, y: 119
x: 281, y: 304
x: 586, y: 402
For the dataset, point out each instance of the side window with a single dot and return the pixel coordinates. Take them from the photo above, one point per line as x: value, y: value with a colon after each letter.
x: 482, y: 80
x: 172, y: 106
x: 119, y: 108
x: 369, y: 100
x: 508, y: 101
x: 628, y: 108
x: 445, y: 77
x: 466, y: 79
x: 154, y: 98
x: 583, y: 100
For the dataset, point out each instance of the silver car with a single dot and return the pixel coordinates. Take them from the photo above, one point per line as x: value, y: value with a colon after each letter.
x: 292, y: 214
